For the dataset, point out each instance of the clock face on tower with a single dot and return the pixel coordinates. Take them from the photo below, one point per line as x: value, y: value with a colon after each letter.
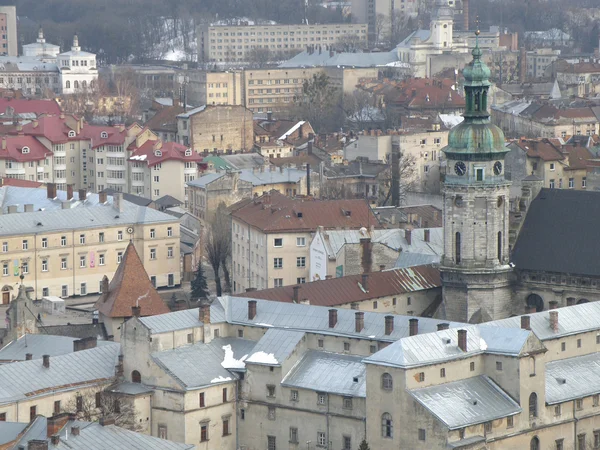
x: 460, y: 168
x: 497, y: 167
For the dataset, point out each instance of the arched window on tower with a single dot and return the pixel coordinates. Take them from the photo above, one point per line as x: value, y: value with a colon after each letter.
x: 535, y: 443
x: 484, y: 101
x: 533, y: 412
x: 136, y: 377
x: 500, y: 246
x: 477, y: 101
x: 457, y: 248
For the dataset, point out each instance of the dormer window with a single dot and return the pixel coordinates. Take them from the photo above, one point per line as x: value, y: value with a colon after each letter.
x: 157, y: 153
x: 25, y: 150
x: 104, y: 135
x: 188, y: 152
x: 71, y: 133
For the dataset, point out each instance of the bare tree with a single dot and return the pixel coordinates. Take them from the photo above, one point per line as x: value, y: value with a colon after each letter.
x: 336, y: 188
x: 217, y: 243
x: 91, y: 407
x: 361, y: 109
x: 320, y: 103
x: 407, y: 174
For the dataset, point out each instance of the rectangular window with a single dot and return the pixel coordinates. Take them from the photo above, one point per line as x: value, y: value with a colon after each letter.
x: 551, y: 185
x: 301, y: 261
x: 44, y: 243
x: 201, y: 399
x: 571, y: 183
x: 25, y: 268
x: 2, y: 417
x: 64, y: 290
x: 203, y: 432
x: 421, y: 377
x: 499, y: 366
x: 581, y: 441
x: 278, y: 282
x: 421, y: 434
x: 320, y: 343
x: 595, y: 400
x: 321, y: 399
x: 226, y: 427
x: 57, y: 407
x: 32, y: 413
x: 321, y: 439
x: 101, y: 237
x: 152, y: 233
x: 552, y: 166
x: 63, y: 241
x: 563, y: 346
x: 557, y: 410
x: 560, y: 444
x: 270, y: 391
x: 300, y: 241
x: 583, y: 182
x: 510, y: 422
x: 442, y: 372
x: 169, y: 252
x: 347, y: 402
x: 82, y: 239
x: 271, y: 443
x: 101, y: 259
x: 119, y: 235
x: 63, y: 263
x: 271, y: 414
x: 4, y: 247
x: 293, y: 435
x: 597, y: 439
x: 162, y: 431
x: 278, y: 242
x: 25, y: 244
x: 169, y: 232
x: 579, y: 404
x: 300, y: 280
x: 277, y: 263
x: 578, y: 343
x: 152, y: 253
x: 5, y: 270
x: 82, y: 261
x: 472, y: 367
x: 294, y: 396
x: 44, y: 265
x: 347, y: 441
x: 487, y: 427
x: 224, y: 392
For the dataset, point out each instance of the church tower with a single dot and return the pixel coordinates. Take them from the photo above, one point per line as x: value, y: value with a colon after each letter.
x: 441, y: 25
x: 475, y: 267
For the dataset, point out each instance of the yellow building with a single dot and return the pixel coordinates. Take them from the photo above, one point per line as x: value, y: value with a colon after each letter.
x: 64, y: 247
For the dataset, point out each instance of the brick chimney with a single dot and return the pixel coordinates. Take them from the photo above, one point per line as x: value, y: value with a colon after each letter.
x: 37, y: 444
x: 332, y: 318
x: 408, y: 236
x: 426, y: 235
x: 85, y: 343
x: 365, y: 281
x: 51, y: 190
x: 46, y: 361
x: 462, y: 340
x: 56, y: 422
x: 359, y: 321
x: 105, y: 284
x: 525, y: 322
x: 413, y: 327
x: 204, y: 313
x: 136, y: 311
x: 55, y: 439
x: 366, y: 257
x: 102, y: 197
x: 443, y: 326
x: 389, y: 325
x: 553, y: 304
x: 75, y: 431
x: 69, y: 191
x: 82, y: 194
x: 251, y: 309
x: 553, y: 315
x: 104, y: 421
x: 381, y: 267
x: 295, y: 296
x: 28, y: 356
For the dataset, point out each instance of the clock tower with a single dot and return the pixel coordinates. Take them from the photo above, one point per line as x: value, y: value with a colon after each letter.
x: 476, y: 276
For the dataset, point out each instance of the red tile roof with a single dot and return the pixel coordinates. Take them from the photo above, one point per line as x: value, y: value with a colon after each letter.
x: 578, y: 157
x: 130, y: 287
x: 165, y: 119
x: 50, y: 127
x: 22, y: 106
x: 274, y: 212
x: 541, y: 148
x: 19, y: 183
x: 349, y: 289
x: 94, y: 133
x: 168, y: 151
x: 11, y: 148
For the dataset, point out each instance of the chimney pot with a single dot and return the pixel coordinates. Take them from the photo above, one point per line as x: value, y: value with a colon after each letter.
x: 413, y: 326
x: 408, y: 236
x: 296, y: 289
x: 136, y: 311
x: 426, y: 235
x: 251, y: 309
x: 328, y: 277
x: 526, y: 322
x: 75, y: 431
x: 28, y: 356
x: 359, y: 321
x: 443, y: 326
x: 332, y: 318
x: 462, y: 340
x: 389, y: 325
x: 46, y: 361
x: 554, y: 320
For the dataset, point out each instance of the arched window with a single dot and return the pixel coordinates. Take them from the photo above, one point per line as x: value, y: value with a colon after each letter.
x: 68, y: 84
x: 103, y: 135
x: 531, y: 365
x: 533, y: 405
x: 457, y: 248
x: 477, y: 101
x: 71, y: 133
x: 83, y: 83
x: 500, y: 246
x: 387, y: 428
x: 188, y: 152
x: 136, y: 377
x: 386, y: 382
x: 92, y: 83
x: 76, y: 84
x: 582, y: 300
x: 25, y: 149
x: 535, y: 443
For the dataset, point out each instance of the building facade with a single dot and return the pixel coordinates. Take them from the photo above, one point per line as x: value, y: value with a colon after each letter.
x: 8, y: 26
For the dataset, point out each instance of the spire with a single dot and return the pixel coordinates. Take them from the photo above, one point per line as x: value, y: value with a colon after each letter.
x: 40, y: 38
x: 76, y: 46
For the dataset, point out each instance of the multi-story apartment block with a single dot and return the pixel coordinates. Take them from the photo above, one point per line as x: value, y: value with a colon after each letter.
x: 66, y: 242
x: 215, y: 88
x: 228, y: 43
x: 8, y: 31
x: 539, y: 60
x: 271, y: 236
x: 219, y: 128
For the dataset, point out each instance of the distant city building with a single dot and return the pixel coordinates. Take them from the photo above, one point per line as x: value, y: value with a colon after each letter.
x: 8, y: 26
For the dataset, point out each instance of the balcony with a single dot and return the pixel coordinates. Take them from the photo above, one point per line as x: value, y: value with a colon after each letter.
x: 15, y: 171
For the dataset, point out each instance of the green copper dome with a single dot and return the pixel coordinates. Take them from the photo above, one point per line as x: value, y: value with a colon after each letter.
x: 476, y: 138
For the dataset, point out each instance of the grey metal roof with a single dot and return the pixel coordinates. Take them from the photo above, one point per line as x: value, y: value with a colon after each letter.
x: 93, y: 436
x: 22, y: 379
x: 101, y: 216
x: 37, y: 430
x: 26, y: 64
x: 38, y: 197
x: 206, y: 179
x: 572, y: 378
x: 432, y: 348
x: 191, y: 112
x: 285, y: 175
x: 572, y: 320
x: 245, y: 160
x: 407, y: 259
x: 199, y: 365
x: 277, y: 343
x: 131, y: 388
x: 349, y: 59
x: 10, y: 430
x: 423, y: 35
x: 296, y: 316
x: 329, y: 372
x: 466, y: 402
x: 38, y: 345
x: 467, y: 442
x: 181, y: 320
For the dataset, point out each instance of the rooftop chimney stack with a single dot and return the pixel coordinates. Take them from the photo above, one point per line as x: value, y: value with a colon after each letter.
x: 389, y: 325
x: 51, y: 190
x: 332, y: 318
x: 75, y: 431
x: 365, y: 281
x: 413, y: 327
x: 204, y: 313
x: 136, y: 311
x: 553, y: 304
x: 102, y: 197
x: 105, y: 284
x: 426, y: 235
x: 251, y: 309
x: 69, y: 191
x: 46, y: 361
x: 525, y: 322
x: 443, y: 326
x: 37, y: 444
x: 82, y: 195
x: 462, y: 340
x: 296, y: 289
x: 381, y: 267
x: 553, y: 320
x: 28, y: 356
x: 359, y: 321
x: 408, y: 236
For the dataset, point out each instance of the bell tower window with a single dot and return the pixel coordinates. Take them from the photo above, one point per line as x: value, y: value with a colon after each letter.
x: 479, y: 173
x: 500, y: 246
x: 457, y: 248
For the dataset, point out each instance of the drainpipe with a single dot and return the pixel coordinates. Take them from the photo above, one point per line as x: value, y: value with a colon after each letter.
x: 327, y: 424
x: 237, y: 433
x: 575, y: 420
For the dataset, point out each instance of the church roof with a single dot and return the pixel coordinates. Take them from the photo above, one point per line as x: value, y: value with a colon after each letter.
x: 130, y: 287
x: 555, y: 234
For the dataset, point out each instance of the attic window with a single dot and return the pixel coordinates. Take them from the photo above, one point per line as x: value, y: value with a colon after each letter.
x: 157, y: 153
x: 299, y: 214
x: 347, y: 213
x: 188, y: 152
x: 25, y: 149
x: 104, y: 135
x: 71, y: 133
